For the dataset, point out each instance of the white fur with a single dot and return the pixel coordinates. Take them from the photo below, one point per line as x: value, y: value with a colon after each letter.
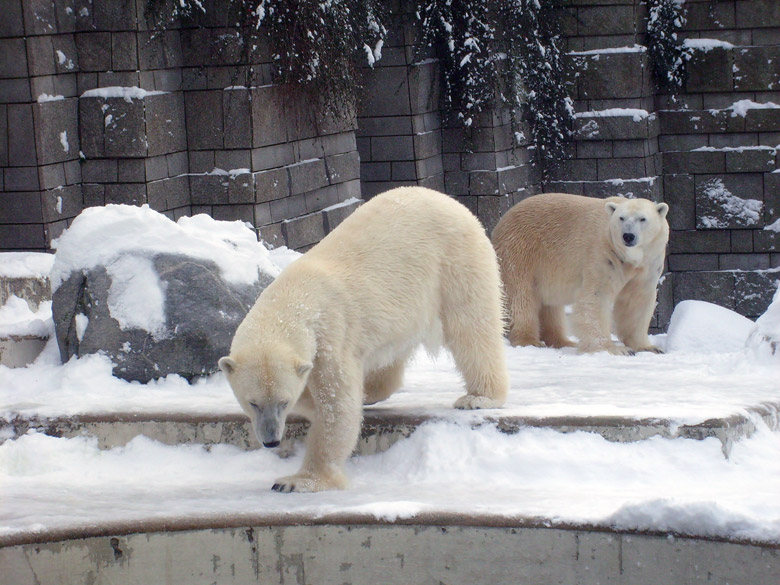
x: 336, y: 328
x: 557, y: 249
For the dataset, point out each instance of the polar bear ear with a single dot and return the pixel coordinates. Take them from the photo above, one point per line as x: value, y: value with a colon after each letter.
x: 301, y: 368
x: 663, y: 209
x: 611, y: 207
x: 227, y: 364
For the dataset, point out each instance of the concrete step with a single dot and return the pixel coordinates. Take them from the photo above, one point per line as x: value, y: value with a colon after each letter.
x: 19, y: 351
x: 382, y: 427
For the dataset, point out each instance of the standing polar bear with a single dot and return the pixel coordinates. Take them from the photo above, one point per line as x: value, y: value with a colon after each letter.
x: 604, y: 256
x: 336, y: 328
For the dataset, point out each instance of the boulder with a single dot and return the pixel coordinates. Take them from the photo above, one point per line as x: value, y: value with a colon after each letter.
x: 167, y: 302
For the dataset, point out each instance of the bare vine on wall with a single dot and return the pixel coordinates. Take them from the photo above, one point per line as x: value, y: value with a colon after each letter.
x: 667, y: 54
x: 508, y: 53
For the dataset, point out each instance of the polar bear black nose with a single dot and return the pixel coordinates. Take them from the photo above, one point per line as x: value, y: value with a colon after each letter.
x: 629, y: 239
x: 271, y: 444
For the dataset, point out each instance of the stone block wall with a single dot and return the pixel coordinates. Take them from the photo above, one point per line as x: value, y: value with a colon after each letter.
x: 205, y: 130
x: 100, y: 105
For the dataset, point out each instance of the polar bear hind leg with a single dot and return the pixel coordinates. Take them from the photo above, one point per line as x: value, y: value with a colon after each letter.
x: 472, y: 324
x: 552, y: 323
x: 381, y: 383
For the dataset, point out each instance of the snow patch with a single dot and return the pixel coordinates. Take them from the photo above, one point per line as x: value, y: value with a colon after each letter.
x: 698, y: 326
x: 126, y: 93
x: 747, y: 212
x: 706, y: 45
x: 25, y: 264
x: 636, y: 114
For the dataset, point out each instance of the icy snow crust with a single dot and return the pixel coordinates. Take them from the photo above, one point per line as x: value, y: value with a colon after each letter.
x: 455, y: 464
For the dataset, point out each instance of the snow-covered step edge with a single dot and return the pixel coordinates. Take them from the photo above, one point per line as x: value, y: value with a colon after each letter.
x: 19, y: 351
x: 380, y: 429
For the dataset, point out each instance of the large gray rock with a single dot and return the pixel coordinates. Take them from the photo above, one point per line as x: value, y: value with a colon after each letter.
x: 201, y: 312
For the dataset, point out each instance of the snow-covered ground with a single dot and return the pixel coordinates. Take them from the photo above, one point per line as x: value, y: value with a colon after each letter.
x: 453, y: 464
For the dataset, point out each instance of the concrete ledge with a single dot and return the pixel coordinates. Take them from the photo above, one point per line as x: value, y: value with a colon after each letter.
x: 381, y: 427
x: 350, y: 549
x: 19, y: 351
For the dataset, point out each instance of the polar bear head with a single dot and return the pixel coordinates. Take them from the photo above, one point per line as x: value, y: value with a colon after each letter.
x: 635, y: 224
x: 267, y: 384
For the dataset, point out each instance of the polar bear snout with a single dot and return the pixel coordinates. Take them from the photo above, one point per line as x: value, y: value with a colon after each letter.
x: 269, y: 424
x: 629, y: 239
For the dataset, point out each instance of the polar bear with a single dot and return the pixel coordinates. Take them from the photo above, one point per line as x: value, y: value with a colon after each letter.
x: 603, y: 256
x: 337, y: 326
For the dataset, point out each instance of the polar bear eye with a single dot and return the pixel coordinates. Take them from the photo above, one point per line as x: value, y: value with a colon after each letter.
x: 622, y: 218
x: 642, y: 219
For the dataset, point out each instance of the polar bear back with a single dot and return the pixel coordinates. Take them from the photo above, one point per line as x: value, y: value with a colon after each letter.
x: 550, y: 239
x: 394, y: 266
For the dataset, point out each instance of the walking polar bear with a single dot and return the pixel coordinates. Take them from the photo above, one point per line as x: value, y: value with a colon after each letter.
x: 336, y: 328
x: 604, y: 256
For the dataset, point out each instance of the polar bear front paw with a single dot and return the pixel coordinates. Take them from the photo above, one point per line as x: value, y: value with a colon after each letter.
x: 472, y: 402
x: 306, y: 484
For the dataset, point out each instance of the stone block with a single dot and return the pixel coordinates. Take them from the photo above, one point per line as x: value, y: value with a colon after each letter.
x: 751, y: 72
x: 66, y: 57
x: 763, y: 120
x: 729, y: 201
x: 56, y: 130
x: 209, y: 189
x: 392, y: 148
x: 750, y: 161
x: 155, y: 195
x: 93, y: 51
x: 61, y: 203
x: 156, y: 168
x: 321, y: 198
x: 343, y: 167
x: 288, y: 207
x: 483, y: 183
x: 428, y: 167
x: 205, y: 126
x: 710, y: 71
x: 620, y: 168
x: 709, y: 16
x: 683, y: 263
x: 744, y: 262
x: 386, y: 92
x: 424, y: 84
x: 201, y: 161
x: 12, y: 23
x: 385, y: 126
x: 340, y: 143
x: 699, y: 242
x: 307, y: 176
x: 695, y: 162
x: 177, y: 163
x: 243, y: 213
x: 680, y: 195
x: 14, y: 58
x: 40, y: 18
x: 613, y: 75
x: 126, y: 193
x: 606, y: 20
x: 40, y: 56
x: 14, y: 91
x: 766, y: 241
x: 271, y: 235
x: 232, y: 160
x: 490, y: 209
x: 165, y: 123
x: 268, y: 116
x: 594, y: 149
x: 270, y: 157
x: 124, y: 127
x: 94, y: 195
x: 742, y: 241
x: 575, y: 170
x: 379, y: 171
x: 241, y: 188
x: 350, y: 190
x: 100, y: 171
x: 403, y: 171
x: 72, y: 172
x: 177, y: 194
x: 22, y: 179
x: 131, y: 170
x: 237, y: 112
x: 273, y: 184
x: 21, y: 207
x: 333, y: 216
x: 682, y: 142
x: 753, y: 292
x: 304, y: 231
x: 124, y: 51
x: 115, y: 15
x: 49, y: 176
x: 22, y: 236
